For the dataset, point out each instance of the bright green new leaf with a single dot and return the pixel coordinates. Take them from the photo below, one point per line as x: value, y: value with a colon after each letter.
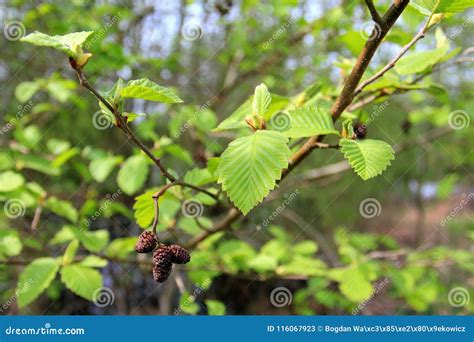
x: 417, y: 62
x: 368, y: 158
x: 133, y: 174
x: 68, y: 43
x: 263, y: 263
x: 250, y: 166
x: 35, y: 278
x: 149, y: 90
x: 355, y: 286
x: 215, y: 307
x: 10, y: 245
x: 426, y: 7
x: 121, y: 247
x: 101, y: 168
x: 307, y: 122
x: 10, y: 181
x: 83, y: 281
x: 70, y: 252
x: 237, y: 118
x: 261, y: 100
x: 62, y: 208
x: 94, y: 261
x: 94, y: 241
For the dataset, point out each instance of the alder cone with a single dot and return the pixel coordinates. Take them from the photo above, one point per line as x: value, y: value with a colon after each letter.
x: 179, y: 255
x: 163, y: 266
x: 162, y: 272
x: 146, y: 242
x: 360, y: 130
x: 162, y: 256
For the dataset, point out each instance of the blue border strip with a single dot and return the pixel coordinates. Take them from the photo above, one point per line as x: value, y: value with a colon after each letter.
x: 237, y: 328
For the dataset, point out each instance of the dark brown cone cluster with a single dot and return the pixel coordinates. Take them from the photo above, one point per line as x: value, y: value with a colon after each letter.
x: 179, y: 255
x: 164, y: 256
x: 146, y: 242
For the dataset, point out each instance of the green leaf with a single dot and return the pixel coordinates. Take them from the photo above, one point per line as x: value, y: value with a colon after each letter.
x: 68, y: 43
x: 70, y: 252
x: 236, y: 119
x: 64, y: 157
x: 355, y: 286
x: 303, y: 266
x: 94, y: 261
x: 81, y: 280
x: 101, y: 168
x: 149, y: 90
x: 94, y: 241
x: 307, y: 122
x: 37, y: 163
x: 10, y: 245
x: 263, y: 262
x: 426, y: 7
x: 307, y: 247
x: 35, y: 278
x: 62, y: 208
x: 261, y: 100
x: 133, y: 174
x: 121, y: 247
x: 250, y: 166
x: 215, y: 307
x: 417, y: 62
x: 199, y: 177
x: 26, y: 90
x: 368, y: 158
x: 10, y: 181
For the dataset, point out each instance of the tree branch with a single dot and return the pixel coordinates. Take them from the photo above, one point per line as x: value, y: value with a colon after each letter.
x: 344, y: 100
x: 373, y: 11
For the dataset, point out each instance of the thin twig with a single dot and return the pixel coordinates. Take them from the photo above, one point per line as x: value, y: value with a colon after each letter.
x: 122, y: 124
x: 391, y: 64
